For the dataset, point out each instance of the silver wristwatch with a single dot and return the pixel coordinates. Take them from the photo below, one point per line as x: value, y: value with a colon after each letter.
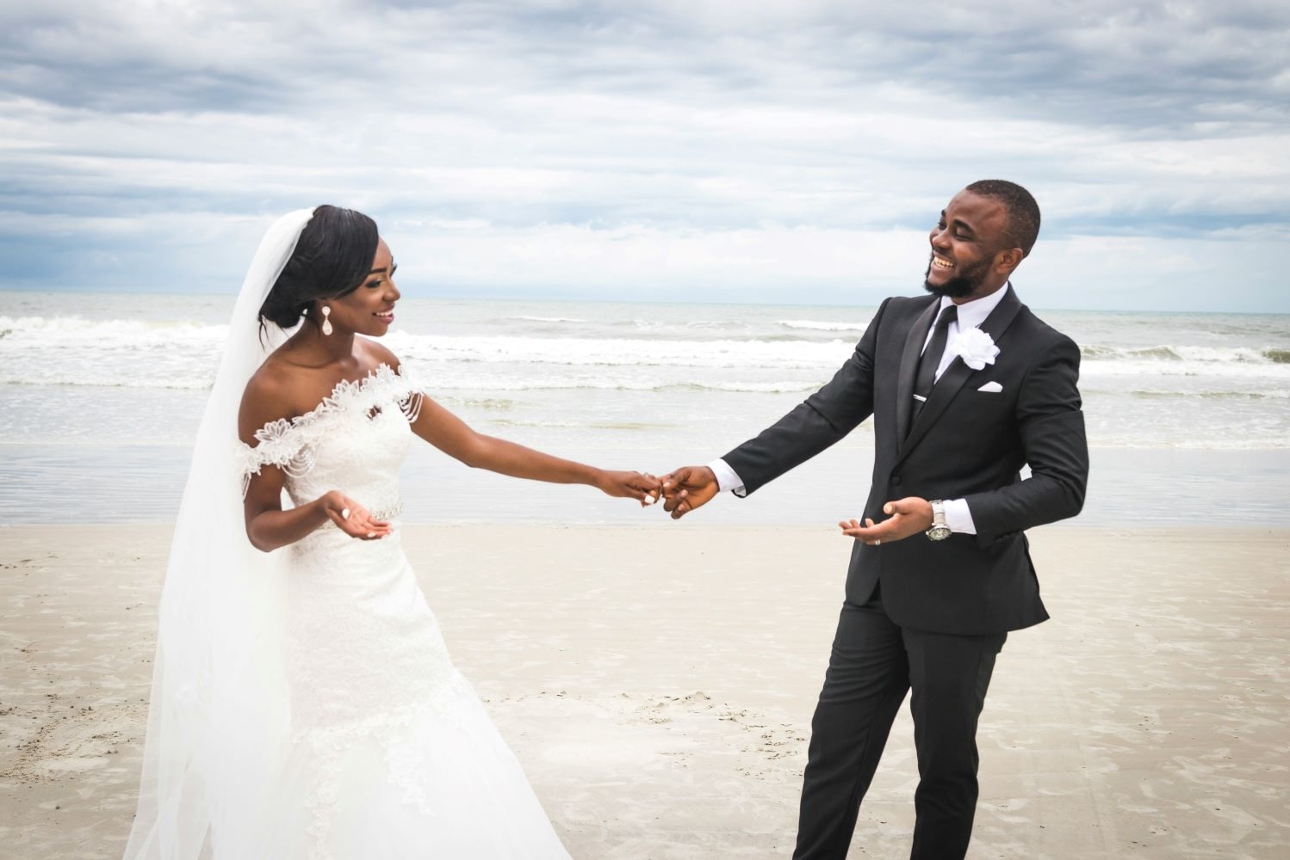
x: 938, y: 531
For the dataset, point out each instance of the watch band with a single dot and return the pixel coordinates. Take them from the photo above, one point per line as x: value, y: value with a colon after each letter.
x: 939, y: 529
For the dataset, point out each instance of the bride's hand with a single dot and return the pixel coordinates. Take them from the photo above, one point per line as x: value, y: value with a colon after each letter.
x: 643, y: 487
x: 352, y: 518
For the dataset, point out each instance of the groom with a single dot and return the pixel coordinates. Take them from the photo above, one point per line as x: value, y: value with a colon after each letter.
x: 965, y: 386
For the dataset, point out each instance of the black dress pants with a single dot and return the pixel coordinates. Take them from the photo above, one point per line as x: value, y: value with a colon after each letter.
x: 873, y: 664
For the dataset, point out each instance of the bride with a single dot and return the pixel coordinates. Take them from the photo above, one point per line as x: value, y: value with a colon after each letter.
x: 303, y: 701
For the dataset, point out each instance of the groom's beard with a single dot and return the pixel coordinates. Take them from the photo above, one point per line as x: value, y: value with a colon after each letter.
x: 961, y: 285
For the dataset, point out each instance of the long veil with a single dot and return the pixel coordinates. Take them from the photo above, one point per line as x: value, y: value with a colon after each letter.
x: 218, y: 718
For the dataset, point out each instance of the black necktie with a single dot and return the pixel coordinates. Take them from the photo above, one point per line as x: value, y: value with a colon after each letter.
x: 931, y: 359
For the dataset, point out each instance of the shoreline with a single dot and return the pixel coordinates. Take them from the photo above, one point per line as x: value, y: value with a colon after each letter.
x: 663, y: 711
x: 1149, y: 487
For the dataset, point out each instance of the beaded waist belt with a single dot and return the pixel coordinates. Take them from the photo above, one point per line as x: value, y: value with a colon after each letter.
x: 388, y: 512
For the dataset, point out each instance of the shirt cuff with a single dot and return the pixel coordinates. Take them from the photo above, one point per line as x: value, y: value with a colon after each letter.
x: 727, y: 479
x: 958, y: 516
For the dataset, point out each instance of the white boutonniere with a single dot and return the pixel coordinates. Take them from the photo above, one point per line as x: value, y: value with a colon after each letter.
x: 975, y: 347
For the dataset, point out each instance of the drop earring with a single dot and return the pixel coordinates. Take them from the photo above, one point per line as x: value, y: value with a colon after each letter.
x: 326, y: 325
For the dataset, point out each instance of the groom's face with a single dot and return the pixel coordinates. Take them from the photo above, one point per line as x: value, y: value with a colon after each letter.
x: 965, y: 243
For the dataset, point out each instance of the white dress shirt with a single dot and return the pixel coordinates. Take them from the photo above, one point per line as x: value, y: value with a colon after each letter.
x: 970, y: 315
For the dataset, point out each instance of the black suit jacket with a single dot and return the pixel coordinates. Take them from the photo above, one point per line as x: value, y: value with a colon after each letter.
x: 965, y: 443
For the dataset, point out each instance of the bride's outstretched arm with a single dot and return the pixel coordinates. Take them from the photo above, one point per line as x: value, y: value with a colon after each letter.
x: 455, y: 438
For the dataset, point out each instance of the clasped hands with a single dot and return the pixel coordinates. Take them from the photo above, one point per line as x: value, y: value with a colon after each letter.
x: 690, y: 487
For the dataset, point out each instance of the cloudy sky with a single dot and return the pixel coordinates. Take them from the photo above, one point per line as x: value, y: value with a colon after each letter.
x: 655, y: 149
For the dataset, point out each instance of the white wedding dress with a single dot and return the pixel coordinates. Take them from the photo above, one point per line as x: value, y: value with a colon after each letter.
x: 390, y: 752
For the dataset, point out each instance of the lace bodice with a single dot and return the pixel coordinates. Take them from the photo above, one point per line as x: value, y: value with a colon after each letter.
x: 354, y: 441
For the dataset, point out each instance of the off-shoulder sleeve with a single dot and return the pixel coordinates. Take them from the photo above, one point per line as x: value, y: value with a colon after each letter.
x: 279, y: 443
x: 410, y: 404
x: 405, y: 391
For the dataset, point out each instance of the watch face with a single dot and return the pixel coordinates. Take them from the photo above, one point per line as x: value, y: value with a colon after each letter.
x: 939, y: 532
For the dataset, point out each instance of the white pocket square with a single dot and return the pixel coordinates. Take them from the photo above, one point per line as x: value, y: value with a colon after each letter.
x: 991, y: 388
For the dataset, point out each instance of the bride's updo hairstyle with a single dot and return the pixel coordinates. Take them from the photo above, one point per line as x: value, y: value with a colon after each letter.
x: 332, y: 257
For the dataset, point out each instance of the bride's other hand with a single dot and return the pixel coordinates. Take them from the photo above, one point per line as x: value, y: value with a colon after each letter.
x: 352, y: 518
x: 643, y: 487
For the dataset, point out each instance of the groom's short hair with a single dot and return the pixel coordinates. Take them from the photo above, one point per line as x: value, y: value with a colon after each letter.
x: 1022, y: 210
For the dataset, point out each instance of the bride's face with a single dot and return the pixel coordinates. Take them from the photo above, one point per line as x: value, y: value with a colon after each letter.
x: 369, y: 310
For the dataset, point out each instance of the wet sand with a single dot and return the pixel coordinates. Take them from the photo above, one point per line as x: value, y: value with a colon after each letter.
x: 657, y: 684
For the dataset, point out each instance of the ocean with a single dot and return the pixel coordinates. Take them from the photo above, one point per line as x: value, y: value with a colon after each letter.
x: 100, y: 396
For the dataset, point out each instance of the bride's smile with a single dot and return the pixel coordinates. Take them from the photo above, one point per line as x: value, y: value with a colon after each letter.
x: 369, y: 310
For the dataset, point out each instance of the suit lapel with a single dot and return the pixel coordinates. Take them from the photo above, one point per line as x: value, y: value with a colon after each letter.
x: 909, y: 366
x: 957, y: 374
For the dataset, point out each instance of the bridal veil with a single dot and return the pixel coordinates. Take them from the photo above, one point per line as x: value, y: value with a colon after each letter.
x: 218, y: 716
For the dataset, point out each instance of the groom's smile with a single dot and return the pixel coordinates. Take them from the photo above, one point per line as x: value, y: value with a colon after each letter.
x: 965, y: 244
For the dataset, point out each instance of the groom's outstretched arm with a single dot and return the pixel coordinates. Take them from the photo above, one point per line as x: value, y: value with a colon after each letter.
x: 797, y: 437
x: 821, y: 420
x: 818, y: 422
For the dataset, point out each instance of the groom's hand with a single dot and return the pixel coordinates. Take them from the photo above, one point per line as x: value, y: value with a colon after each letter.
x: 908, y: 516
x: 688, y: 488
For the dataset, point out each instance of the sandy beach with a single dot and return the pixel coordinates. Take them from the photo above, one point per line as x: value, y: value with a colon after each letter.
x: 657, y: 683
